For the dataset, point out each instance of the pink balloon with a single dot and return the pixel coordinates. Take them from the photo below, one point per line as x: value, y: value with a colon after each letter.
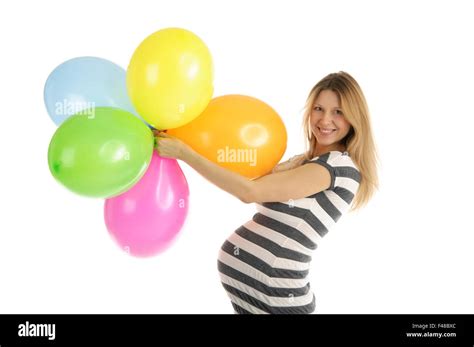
x: 145, y: 220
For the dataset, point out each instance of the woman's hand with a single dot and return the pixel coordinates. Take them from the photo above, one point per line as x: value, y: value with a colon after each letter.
x: 292, y: 163
x: 170, y: 147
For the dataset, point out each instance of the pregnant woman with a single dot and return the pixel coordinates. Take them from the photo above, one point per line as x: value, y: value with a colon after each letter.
x: 264, y: 264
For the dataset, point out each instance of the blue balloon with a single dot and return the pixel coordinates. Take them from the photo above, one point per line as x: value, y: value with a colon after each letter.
x: 85, y: 82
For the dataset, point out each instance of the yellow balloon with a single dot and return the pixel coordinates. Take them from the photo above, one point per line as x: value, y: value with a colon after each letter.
x: 170, y: 78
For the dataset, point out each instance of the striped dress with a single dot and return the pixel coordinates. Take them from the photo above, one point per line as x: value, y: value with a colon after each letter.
x: 264, y: 264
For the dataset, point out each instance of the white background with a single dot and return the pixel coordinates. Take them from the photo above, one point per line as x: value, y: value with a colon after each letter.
x: 408, y: 251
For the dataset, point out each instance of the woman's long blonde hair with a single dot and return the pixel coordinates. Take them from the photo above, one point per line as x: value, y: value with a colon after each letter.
x: 359, y: 142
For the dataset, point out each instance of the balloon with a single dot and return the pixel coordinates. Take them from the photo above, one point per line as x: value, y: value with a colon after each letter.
x: 83, y: 83
x: 170, y: 78
x: 101, y: 152
x: 238, y: 132
x: 145, y: 220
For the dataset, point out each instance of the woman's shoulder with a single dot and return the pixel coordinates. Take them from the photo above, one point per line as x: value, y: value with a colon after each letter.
x: 343, y: 157
x: 335, y: 159
x: 332, y: 156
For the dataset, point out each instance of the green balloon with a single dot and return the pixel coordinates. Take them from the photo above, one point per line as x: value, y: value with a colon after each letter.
x: 100, y: 152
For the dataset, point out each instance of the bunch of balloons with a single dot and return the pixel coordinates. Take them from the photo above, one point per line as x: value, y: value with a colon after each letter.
x: 104, y: 146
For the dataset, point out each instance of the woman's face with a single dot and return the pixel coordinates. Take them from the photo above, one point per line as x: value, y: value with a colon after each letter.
x: 328, y: 123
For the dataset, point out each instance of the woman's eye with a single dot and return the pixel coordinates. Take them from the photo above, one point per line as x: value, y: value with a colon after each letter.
x: 339, y: 112
x: 317, y: 108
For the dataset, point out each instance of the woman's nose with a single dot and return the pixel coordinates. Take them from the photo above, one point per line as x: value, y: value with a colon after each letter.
x: 326, y: 117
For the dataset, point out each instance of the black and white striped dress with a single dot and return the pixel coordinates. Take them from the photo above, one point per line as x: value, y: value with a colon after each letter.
x: 264, y: 264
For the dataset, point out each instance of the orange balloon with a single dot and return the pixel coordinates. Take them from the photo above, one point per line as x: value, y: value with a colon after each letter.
x: 238, y: 132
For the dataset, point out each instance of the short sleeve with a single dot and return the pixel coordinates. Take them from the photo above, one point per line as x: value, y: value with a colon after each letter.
x: 341, y: 168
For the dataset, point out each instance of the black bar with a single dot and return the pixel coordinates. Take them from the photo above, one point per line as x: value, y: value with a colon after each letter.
x: 163, y: 330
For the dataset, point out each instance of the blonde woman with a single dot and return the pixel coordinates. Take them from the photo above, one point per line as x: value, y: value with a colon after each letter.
x: 264, y: 264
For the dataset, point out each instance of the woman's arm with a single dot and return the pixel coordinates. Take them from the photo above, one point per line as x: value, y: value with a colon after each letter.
x: 296, y: 183
x: 225, y: 179
x: 233, y: 183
